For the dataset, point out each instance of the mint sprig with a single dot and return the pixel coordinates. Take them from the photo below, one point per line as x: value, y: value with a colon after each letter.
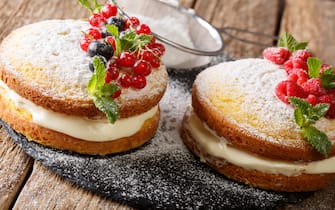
x: 92, y: 5
x: 101, y: 92
x: 288, y: 41
x: 305, y: 116
x: 129, y: 40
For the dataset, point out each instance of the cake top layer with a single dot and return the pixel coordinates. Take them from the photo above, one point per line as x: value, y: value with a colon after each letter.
x: 46, y: 58
x: 244, y: 92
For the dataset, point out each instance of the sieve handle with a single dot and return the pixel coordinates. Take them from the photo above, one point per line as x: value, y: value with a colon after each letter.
x: 229, y: 32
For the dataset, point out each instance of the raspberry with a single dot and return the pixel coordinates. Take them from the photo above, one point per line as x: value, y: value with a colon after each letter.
x: 313, y: 86
x: 288, y: 66
x: 287, y: 88
x: 277, y: 55
x: 312, y: 99
x: 301, y: 54
x: 298, y: 63
x: 298, y: 75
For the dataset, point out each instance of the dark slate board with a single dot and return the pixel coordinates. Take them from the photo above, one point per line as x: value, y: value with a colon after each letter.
x: 162, y: 174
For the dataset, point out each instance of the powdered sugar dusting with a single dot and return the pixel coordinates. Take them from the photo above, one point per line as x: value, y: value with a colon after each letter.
x: 248, y: 88
x: 161, y: 174
x: 49, y: 49
x: 57, y: 55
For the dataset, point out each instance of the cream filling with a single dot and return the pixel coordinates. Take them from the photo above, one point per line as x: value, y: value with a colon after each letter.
x: 218, y: 147
x: 79, y: 127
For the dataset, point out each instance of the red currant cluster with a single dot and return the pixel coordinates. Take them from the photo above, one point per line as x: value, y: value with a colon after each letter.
x: 130, y: 67
x: 299, y: 83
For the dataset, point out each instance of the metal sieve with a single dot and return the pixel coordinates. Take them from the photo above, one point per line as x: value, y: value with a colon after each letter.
x: 203, y: 39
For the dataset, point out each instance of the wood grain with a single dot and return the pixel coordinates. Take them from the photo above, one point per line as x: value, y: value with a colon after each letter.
x: 45, y: 190
x: 15, y: 166
x: 312, y: 21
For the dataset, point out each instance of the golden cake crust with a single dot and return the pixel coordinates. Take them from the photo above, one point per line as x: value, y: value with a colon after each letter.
x: 277, y: 182
x: 245, y: 140
x: 21, y: 121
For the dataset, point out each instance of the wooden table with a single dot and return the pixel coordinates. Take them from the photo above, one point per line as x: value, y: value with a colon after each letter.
x: 25, y: 183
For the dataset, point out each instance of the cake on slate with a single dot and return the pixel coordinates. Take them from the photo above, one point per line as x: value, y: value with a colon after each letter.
x: 71, y: 85
x: 241, y: 124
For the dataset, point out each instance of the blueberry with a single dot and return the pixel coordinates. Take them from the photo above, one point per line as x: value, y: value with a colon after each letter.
x: 100, y: 48
x: 105, y: 33
x: 91, y: 66
x: 118, y: 22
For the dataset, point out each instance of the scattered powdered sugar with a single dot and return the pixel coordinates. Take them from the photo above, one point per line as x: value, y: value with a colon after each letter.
x: 161, y: 174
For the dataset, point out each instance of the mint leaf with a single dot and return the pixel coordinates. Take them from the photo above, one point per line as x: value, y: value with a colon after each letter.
x: 300, y: 46
x: 101, y: 92
x: 301, y: 104
x: 112, y: 29
x: 109, y: 89
x: 299, y: 117
x: 92, y: 84
x: 288, y: 41
x: 327, y: 79
x: 317, y: 139
x: 86, y: 4
x: 320, y: 110
x: 108, y: 106
x: 314, y: 66
x: 100, y: 72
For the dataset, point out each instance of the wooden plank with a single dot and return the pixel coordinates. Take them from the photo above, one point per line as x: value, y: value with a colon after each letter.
x: 256, y: 15
x: 312, y: 21
x: 15, y: 166
x: 187, y: 3
x: 45, y: 190
x: 29, y: 11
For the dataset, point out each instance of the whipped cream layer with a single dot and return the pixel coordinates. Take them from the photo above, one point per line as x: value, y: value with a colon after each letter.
x: 78, y: 127
x: 218, y: 147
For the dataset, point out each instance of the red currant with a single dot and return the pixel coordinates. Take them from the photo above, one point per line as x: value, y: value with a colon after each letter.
x: 143, y: 29
x: 142, y: 67
x: 109, y: 10
x: 111, y: 41
x: 112, y: 74
x: 127, y: 59
x: 96, y: 20
x: 125, y: 80
x: 139, y: 82
x: 147, y: 56
x: 117, y: 93
x: 93, y: 33
x: 155, y: 63
x: 157, y: 48
x: 84, y: 43
x: 132, y: 21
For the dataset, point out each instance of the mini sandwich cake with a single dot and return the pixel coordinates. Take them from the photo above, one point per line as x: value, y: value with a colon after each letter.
x: 266, y: 124
x: 73, y: 85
